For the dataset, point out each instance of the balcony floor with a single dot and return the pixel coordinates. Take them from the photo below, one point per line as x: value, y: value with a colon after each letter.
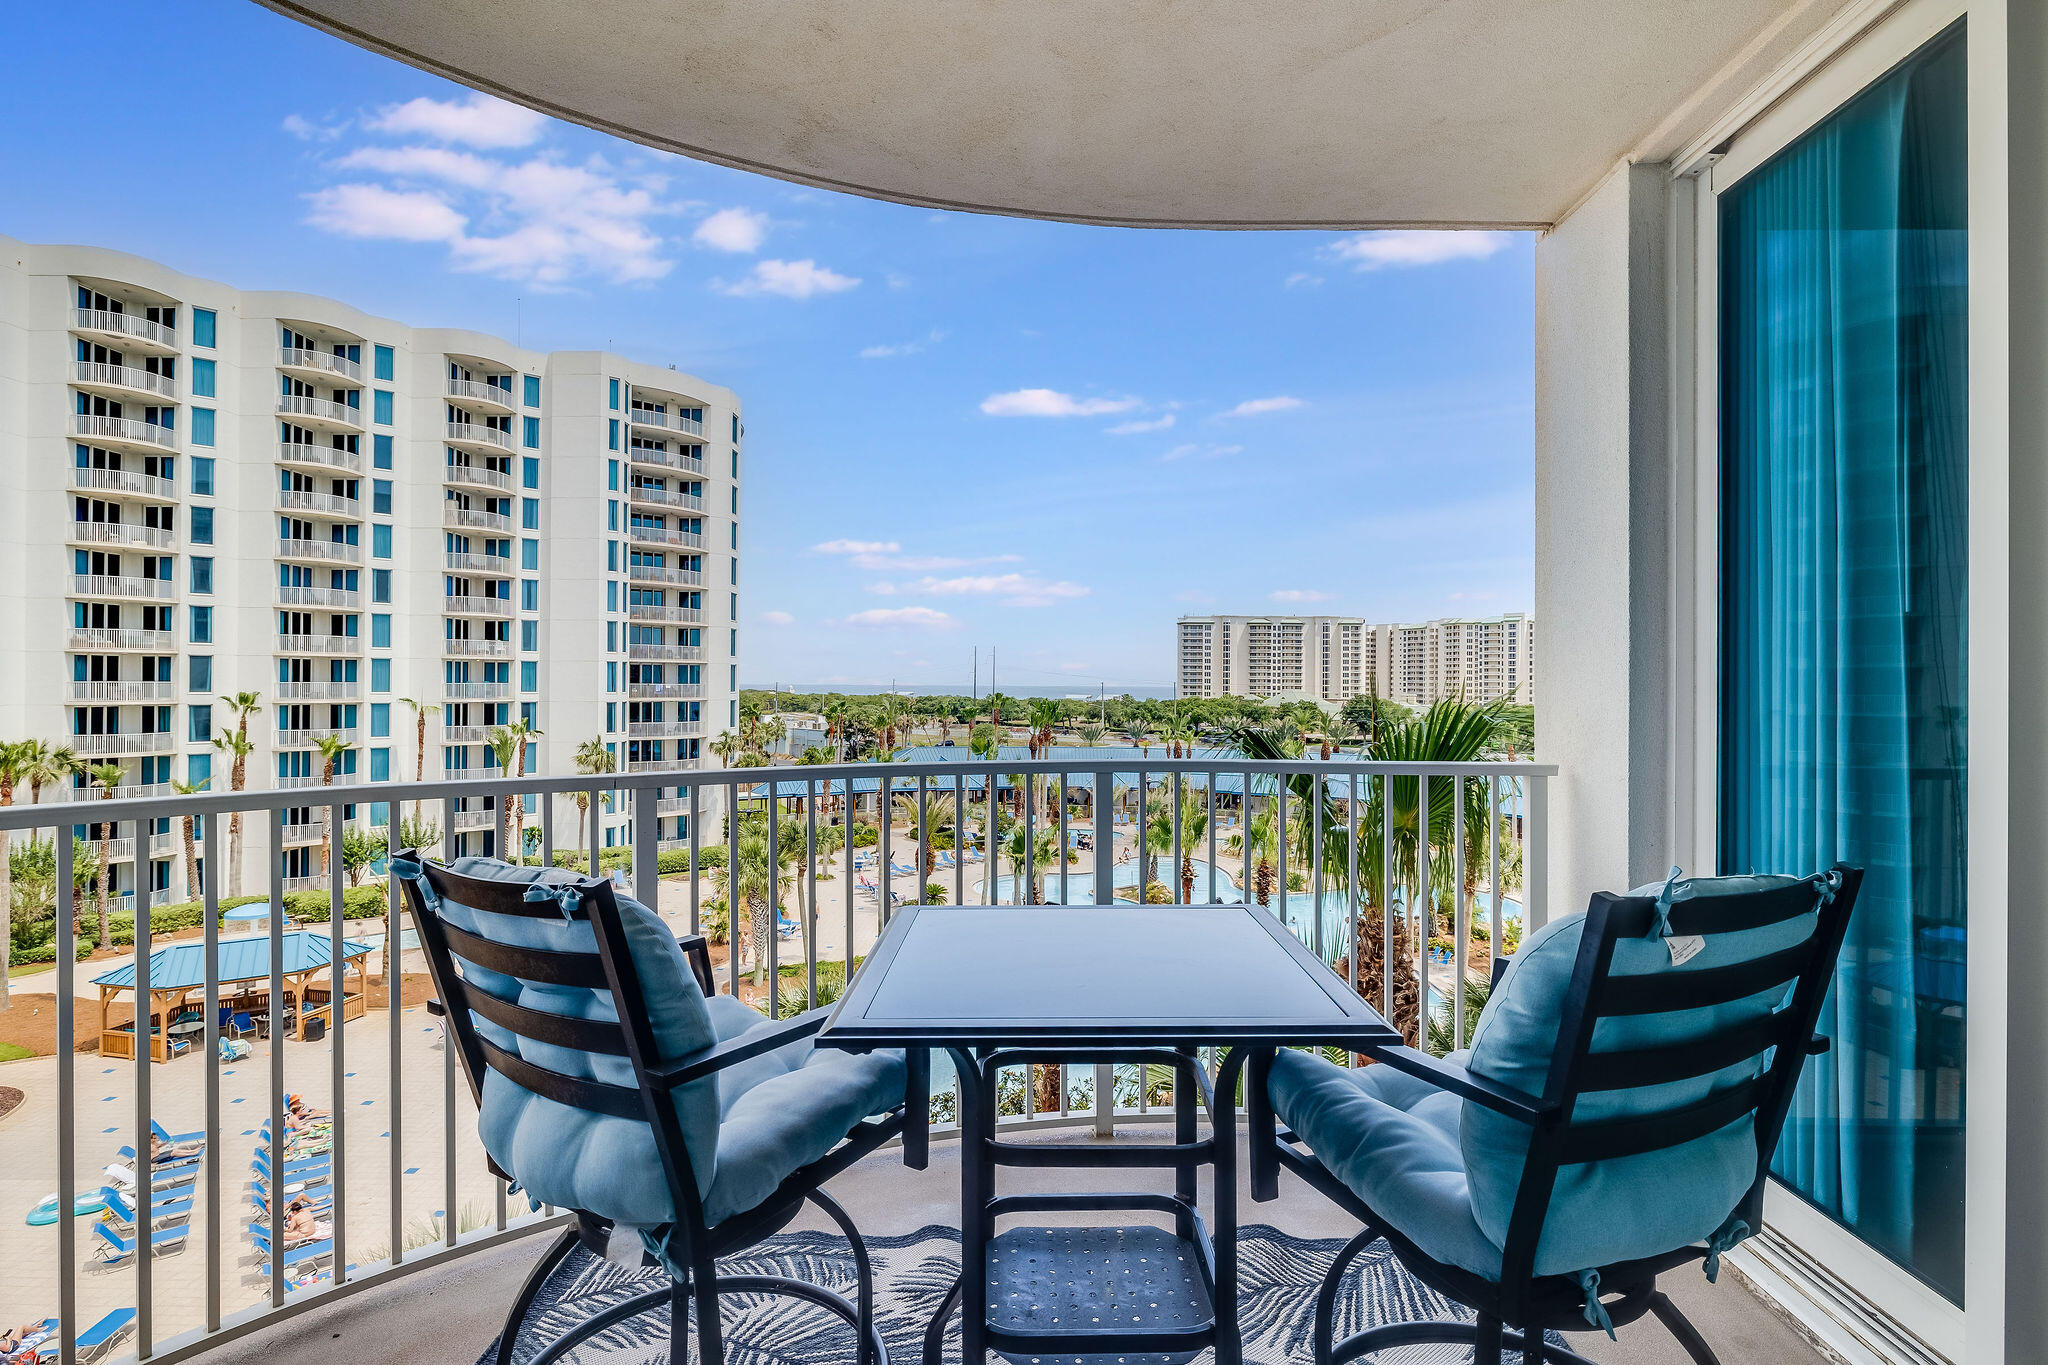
x: 465, y: 1302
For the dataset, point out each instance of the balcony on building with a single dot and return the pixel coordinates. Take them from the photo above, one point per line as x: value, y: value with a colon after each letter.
x: 318, y: 456
x: 679, y: 461
x: 319, y: 551
x: 320, y: 414
x: 477, y: 437
x: 124, y: 433
x: 318, y: 366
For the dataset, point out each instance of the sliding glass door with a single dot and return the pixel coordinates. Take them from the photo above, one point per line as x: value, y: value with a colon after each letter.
x: 1843, y: 459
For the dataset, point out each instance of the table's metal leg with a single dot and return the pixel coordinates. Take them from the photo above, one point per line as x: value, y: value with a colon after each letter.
x: 977, y: 1130
x: 1223, y: 1216
x: 935, y: 1330
x: 1186, y: 1096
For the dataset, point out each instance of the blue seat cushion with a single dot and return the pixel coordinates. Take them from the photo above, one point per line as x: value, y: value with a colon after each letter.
x: 1644, y: 1205
x: 1393, y: 1140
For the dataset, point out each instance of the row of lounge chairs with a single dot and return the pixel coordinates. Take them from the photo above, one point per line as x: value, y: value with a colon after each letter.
x: 94, y: 1342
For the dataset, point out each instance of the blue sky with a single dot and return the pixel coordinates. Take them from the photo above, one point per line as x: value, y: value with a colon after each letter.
x: 961, y: 429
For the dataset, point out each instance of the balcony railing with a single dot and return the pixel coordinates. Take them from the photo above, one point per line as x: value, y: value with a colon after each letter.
x: 658, y: 765
x: 326, y: 457
x: 475, y: 519
x: 465, y: 734
x: 124, y: 690
x: 323, y: 690
x: 649, y: 611
x: 667, y: 459
x: 124, y: 745
x: 477, y: 691
x: 331, y: 645
x: 476, y: 434
x: 664, y: 691
x: 663, y: 729
x: 305, y: 408
x: 121, y: 533
x: 663, y: 535
x: 665, y: 497
x: 679, y: 654
x: 476, y: 476
x: 300, y: 781
x: 406, y: 1160
x: 462, y: 562
x: 666, y: 421
x: 321, y: 504
x: 124, y: 481
x: 476, y: 649
x: 471, y: 391
x: 110, y: 323
x: 298, y: 595
x: 97, y: 374
x: 332, y: 551
x: 469, y: 604
x: 112, y: 585
x: 306, y: 739
x: 123, y: 430
x: 119, y: 637
x: 320, y: 362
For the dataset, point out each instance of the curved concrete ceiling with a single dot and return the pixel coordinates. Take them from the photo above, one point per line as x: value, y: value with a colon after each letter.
x: 1201, y: 113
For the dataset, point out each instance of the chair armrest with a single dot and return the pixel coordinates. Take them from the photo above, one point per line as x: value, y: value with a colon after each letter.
x: 698, y: 951
x: 1449, y: 1076
x: 436, y: 1008
x: 709, y: 1061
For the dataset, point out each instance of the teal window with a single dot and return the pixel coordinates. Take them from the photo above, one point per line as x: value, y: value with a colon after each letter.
x: 201, y: 622
x: 202, y: 378
x: 533, y: 391
x: 1844, y: 458
x: 529, y: 675
x: 203, y: 326
x: 529, y: 554
x: 202, y: 426
x: 380, y: 814
x: 611, y: 514
x: 199, y: 673
x: 530, y: 469
x: 380, y: 497
x: 380, y: 675
x: 199, y: 723
x: 380, y: 586
x: 202, y: 476
x: 611, y: 556
x: 202, y: 573
x: 612, y: 475
x: 381, y: 363
x: 529, y: 594
x: 529, y: 513
x: 529, y: 636
x: 380, y: 451
x: 380, y: 406
x: 615, y: 399
x: 380, y: 720
x: 611, y: 721
x: 380, y: 540
x: 198, y: 769
x: 202, y: 525
x: 530, y: 429
x: 735, y: 464
x: 611, y: 640
x: 611, y: 598
x: 611, y: 677
x: 614, y: 436
x: 380, y: 630
x: 380, y: 765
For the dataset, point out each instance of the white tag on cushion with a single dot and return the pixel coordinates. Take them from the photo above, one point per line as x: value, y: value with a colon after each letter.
x: 1684, y: 947
x: 625, y: 1246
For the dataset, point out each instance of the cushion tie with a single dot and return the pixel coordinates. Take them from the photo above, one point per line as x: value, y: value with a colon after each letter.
x: 1674, y: 890
x: 1733, y: 1231
x: 1595, y: 1312
x: 566, y: 898
x: 1827, y: 884
x: 413, y: 871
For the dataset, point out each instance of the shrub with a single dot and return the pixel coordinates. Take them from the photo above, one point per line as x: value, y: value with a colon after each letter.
x: 163, y: 919
x: 357, y: 902
x: 934, y: 893
x: 865, y: 835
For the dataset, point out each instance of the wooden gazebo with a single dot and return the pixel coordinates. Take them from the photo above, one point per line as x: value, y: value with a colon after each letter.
x: 177, y: 983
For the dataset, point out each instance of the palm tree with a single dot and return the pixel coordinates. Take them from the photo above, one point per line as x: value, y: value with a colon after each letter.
x: 238, y: 743
x: 1041, y: 853
x: 331, y: 748
x: 105, y: 776
x: 1045, y: 714
x: 48, y: 763
x: 1258, y: 844
x: 1194, y: 826
x: 1158, y: 835
x: 1137, y: 732
x: 191, y: 849
x: 727, y: 746
x: 929, y: 818
x: 1091, y: 732
x: 1180, y: 737
x: 18, y: 759
x: 593, y: 758
x: 420, y: 712
x: 751, y: 879
x: 1338, y: 732
x: 524, y: 730
x: 504, y: 742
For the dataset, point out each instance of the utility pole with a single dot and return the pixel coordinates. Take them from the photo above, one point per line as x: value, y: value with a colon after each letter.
x: 974, y: 688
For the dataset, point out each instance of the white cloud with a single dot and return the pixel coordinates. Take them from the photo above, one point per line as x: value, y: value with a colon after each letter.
x: 1140, y: 425
x: 373, y: 211
x: 1257, y: 407
x: 732, y: 230
x: 1050, y: 403
x: 542, y: 221
x: 931, y: 338
x: 883, y: 556
x: 1404, y: 247
x: 1016, y: 589
x: 305, y: 130
x: 1300, y: 595
x: 479, y: 121
x: 778, y: 618
x: 922, y: 618
x: 856, y: 547
x: 788, y: 279
x: 1301, y: 279
x: 1183, y: 452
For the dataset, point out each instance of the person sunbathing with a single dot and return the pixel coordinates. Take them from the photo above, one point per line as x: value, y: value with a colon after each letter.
x: 299, y: 1113
x: 161, y: 1151
x: 20, y: 1343
x: 300, y: 1224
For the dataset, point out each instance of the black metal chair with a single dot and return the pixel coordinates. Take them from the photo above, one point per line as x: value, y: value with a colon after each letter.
x: 1750, y: 1057
x: 490, y: 1032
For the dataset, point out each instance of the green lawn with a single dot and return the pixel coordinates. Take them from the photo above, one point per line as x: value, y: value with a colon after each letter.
x: 13, y: 1052
x: 31, y: 969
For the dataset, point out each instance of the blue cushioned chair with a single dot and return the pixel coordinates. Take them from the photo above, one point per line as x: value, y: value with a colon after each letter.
x: 1613, y: 1120
x: 610, y: 1081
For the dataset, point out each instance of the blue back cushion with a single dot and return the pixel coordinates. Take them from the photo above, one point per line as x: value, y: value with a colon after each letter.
x: 566, y: 1156
x: 1608, y: 1211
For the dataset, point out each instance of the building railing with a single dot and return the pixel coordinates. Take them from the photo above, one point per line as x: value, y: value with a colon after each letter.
x: 663, y: 535
x: 470, y: 604
x: 477, y: 691
x: 124, y: 324
x: 663, y: 729
x: 465, y: 734
x: 679, y: 654
x: 651, y: 611
x: 400, y: 1162
x: 301, y: 452
x: 124, y: 690
x: 318, y: 409
x: 665, y: 497
x: 476, y: 649
x: 297, y: 781
x: 307, y: 738
x: 481, y: 393
x: 118, y: 637
x: 121, y: 585
x: 463, y: 562
x: 666, y: 421
x: 331, y: 645
x: 475, y: 519
x: 324, y: 690
x: 305, y: 547
x: 476, y: 433
x: 124, y: 745
x: 326, y: 362
x: 667, y: 459
x: 302, y: 595
x: 679, y: 578
x: 478, y: 476
x: 664, y: 691
x: 123, y: 377
x: 121, y: 533
x: 133, y: 430
x: 324, y: 504
x: 123, y: 481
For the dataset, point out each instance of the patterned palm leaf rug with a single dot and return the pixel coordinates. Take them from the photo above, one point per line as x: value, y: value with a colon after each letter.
x: 1278, y: 1273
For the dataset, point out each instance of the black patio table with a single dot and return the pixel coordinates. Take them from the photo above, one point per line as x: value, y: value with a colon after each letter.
x: 1002, y: 986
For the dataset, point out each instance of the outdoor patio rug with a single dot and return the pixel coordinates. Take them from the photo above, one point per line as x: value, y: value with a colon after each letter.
x: 1279, y: 1275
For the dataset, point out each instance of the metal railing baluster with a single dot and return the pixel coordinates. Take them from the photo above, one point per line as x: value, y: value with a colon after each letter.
x: 67, y: 1104
x: 1461, y: 925
x: 274, y: 1180
x: 147, y: 1031
x: 209, y: 938
x: 394, y: 998
x: 959, y: 839
x: 337, y: 1012
x: 1493, y: 823
x: 1387, y: 963
x: 1028, y: 893
x: 764, y: 953
x: 810, y: 875
x: 732, y: 908
x: 451, y: 1208
x: 1423, y: 918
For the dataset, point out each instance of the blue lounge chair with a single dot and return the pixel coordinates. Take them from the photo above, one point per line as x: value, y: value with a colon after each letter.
x: 49, y: 1330
x: 260, y: 1164
x: 293, y: 1254
x: 161, y: 1211
x: 118, y: 1248
x: 167, y: 1164
x: 320, y: 1196
x: 163, y: 1136
x: 94, y: 1341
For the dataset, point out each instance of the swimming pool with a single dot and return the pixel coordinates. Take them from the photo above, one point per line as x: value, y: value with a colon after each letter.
x: 1081, y: 884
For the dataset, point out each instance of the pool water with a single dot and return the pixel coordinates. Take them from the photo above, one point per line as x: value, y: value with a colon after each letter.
x: 1081, y: 884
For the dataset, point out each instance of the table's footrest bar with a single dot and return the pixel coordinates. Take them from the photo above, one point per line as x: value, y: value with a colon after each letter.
x: 1102, y: 1202
x: 1102, y: 1156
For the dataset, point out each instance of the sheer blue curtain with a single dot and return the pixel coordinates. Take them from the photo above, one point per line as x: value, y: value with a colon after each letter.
x: 1843, y: 464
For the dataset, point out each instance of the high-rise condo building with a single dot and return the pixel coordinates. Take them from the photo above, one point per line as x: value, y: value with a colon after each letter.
x: 206, y: 492
x: 1336, y: 658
